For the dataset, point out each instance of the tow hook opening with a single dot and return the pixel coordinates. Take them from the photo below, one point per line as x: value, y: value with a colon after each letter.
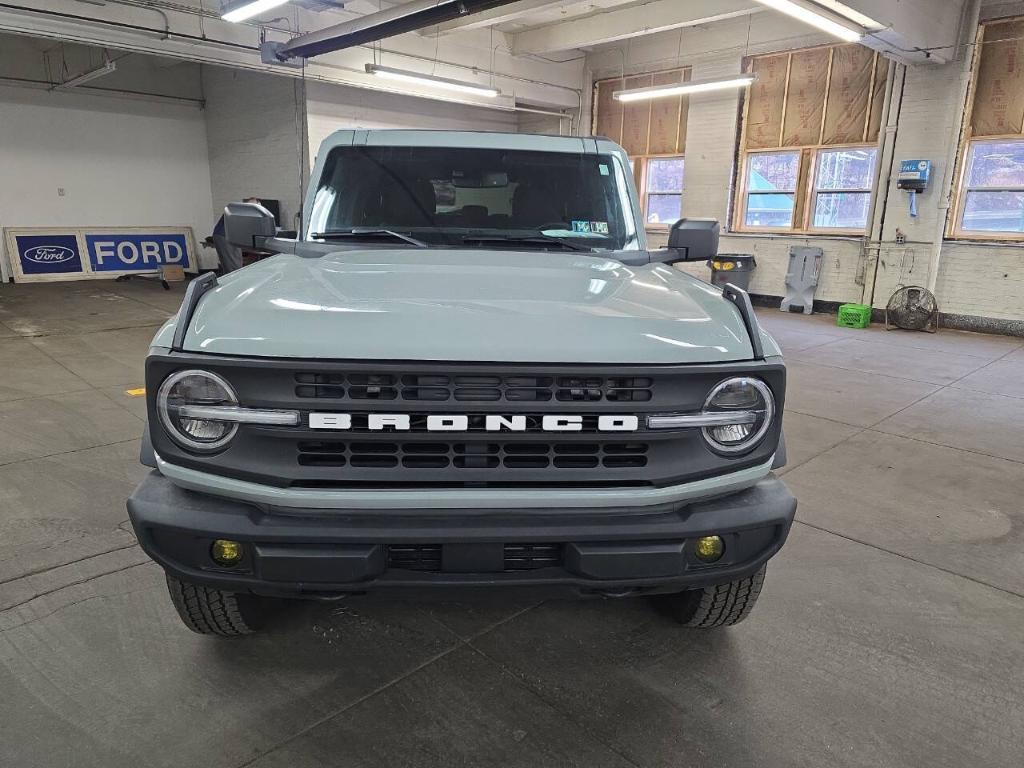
x: 618, y: 593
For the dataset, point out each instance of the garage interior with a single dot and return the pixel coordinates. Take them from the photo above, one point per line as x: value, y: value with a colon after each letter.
x: 891, y: 628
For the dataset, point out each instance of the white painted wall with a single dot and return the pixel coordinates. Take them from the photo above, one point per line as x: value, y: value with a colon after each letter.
x: 120, y: 162
x: 122, y: 158
x: 974, y: 279
x: 334, y: 107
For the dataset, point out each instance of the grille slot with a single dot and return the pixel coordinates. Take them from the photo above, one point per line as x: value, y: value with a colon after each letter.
x: 481, y: 388
x: 415, y: 557
x: 438, y: 455
x: 530, y: 557
x: 517, y: 557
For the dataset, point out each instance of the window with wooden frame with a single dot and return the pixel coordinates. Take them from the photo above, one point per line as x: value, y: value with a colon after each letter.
x: 809, y: 141
x: 653, y: 133
x: 990, y: 189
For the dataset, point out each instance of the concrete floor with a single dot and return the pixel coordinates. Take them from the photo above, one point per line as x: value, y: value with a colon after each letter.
x: 890, y: 631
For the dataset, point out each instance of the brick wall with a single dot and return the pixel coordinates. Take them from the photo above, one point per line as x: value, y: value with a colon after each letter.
x: 256, y: 137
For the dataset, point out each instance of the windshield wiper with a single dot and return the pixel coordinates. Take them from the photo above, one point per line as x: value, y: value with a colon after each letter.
x: 339, y: 234
x: 538, y: 239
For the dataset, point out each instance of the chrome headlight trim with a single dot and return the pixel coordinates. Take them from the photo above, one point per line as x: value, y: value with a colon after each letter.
x: 699, y: 420
x: 240, y: 415
x: 769, y: 415
x: 167, y: 421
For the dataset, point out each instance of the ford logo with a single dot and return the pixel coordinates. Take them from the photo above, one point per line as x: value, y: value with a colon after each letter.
x: 49, y: 254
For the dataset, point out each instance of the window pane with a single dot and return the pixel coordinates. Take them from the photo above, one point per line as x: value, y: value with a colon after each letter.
x: 996, y: 164
x: 846, y: 169
x: 842, y: 210
x: 769, y: 171
x: 775, y: 211
x: 994, y: 212
x: 665, y: 174
x: 664, y: 209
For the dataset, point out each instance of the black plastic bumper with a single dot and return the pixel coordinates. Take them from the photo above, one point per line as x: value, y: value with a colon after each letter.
x: 318, y: 554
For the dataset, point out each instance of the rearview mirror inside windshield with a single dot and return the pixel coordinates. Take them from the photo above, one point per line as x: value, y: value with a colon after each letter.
x: 485, y: 180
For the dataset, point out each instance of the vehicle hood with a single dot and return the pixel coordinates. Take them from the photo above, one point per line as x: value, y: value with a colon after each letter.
x: 466, y: 305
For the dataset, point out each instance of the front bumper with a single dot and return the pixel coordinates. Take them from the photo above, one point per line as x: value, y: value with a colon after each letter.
x: 318, y: 553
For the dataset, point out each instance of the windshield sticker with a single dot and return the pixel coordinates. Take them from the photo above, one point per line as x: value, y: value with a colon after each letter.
x: 568, y: 233
x: 581, y: 226
x: 603, y: 169
x: 600, y: 227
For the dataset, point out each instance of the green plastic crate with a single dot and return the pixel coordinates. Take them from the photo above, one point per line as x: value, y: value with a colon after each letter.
x: 854, y: 316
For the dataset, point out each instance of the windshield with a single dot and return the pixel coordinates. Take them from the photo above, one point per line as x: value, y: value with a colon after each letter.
x: 462, y: 197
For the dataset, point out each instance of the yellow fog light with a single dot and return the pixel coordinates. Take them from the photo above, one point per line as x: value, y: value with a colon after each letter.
x: 709, y: 548
x: 225, y: 552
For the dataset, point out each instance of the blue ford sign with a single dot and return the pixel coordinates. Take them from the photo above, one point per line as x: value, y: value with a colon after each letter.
x: 48, y: 254
x: 136, y: 252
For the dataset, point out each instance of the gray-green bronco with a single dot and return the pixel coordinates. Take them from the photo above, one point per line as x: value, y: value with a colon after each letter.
x: 467, y: 372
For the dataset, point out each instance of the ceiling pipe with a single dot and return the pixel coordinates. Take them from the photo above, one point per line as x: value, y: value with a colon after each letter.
x: 397, y: 20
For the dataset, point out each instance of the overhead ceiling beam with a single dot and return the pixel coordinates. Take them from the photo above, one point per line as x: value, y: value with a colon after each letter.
x: 396, y: 20
x: 514, y: 12
x: 623, y: 23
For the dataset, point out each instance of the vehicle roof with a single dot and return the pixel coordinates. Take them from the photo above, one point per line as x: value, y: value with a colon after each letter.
x: 400, y: 137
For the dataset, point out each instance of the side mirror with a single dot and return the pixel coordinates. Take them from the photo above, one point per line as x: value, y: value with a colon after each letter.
x: 693, y: 239
x: 247, y: 224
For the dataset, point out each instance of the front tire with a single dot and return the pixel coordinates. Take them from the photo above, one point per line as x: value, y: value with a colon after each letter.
x: 719, y: 606
x: 209, y: 611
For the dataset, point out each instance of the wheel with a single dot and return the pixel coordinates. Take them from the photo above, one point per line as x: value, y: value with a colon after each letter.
x: 209, y: 611
x: 719, y: 606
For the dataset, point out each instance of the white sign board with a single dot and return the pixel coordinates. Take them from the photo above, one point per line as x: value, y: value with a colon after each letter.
x: 40, y: 254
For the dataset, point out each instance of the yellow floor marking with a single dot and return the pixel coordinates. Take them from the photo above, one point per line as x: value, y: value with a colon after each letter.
x: 135, y: 392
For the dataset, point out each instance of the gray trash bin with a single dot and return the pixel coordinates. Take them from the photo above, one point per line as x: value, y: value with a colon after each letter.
x: 734, y: 268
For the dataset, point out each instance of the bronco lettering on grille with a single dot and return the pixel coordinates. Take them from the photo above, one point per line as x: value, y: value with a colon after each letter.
x: 379, y: 422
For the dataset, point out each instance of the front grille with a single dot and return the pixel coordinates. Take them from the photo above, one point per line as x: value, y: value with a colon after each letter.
x: 515, y: 451
x: 478, y: 388
x: 476, y: 455
x: 517, y: 557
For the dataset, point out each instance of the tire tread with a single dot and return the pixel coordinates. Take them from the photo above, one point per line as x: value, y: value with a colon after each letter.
x: 722, y: 605
x: 208, y: 611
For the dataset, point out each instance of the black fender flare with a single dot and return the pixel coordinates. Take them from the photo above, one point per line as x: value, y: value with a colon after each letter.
x: 147, y: 456
x: 779, y: 452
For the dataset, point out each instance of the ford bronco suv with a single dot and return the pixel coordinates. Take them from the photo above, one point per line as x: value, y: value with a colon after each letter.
x: 466, y: 372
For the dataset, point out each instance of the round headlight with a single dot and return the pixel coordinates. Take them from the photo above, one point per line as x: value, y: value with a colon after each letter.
x: 186, y: 388
x: 751, y: 401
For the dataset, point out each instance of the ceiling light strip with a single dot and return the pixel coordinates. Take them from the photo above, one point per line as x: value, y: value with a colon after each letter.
x: 240, y: 10
x: 443, y: 83
x: 816, y: 18
x: 682, y: 89
x: 852, y: 14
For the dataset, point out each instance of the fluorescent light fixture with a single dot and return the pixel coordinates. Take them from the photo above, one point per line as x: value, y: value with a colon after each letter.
x: 694, y: 86
x: 815, y: 18
x: 417, y: 78
x: 856, y: 17
x: 105, y: 69
x: 240, y: 10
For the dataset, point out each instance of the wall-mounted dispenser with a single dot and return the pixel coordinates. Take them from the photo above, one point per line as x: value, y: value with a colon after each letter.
x: 914, y: 175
